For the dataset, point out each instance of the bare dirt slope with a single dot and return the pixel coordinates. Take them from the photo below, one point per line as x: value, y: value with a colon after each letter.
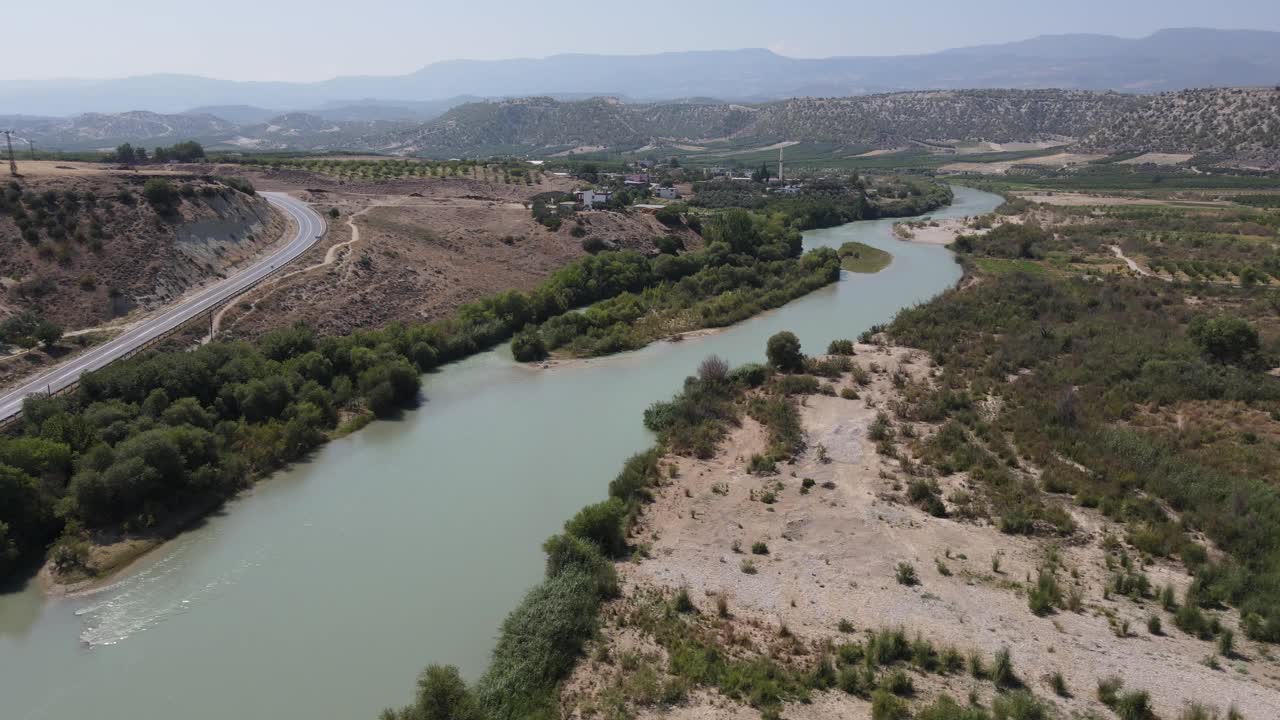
x: 417, y: 249
x: 85, y: 250
x: 832, y: 555
x: 81, y: 246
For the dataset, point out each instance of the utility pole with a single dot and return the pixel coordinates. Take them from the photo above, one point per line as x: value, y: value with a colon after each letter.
x: 32, y: 147
x: 782, y: 179
x: 8, y: 138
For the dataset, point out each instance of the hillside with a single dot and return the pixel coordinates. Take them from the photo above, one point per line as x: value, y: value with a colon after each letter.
x: 1239, y: 125
x: 85, y: 250
x: 1242, y: 124
x: 295, y: 130
x: 1166, y: 60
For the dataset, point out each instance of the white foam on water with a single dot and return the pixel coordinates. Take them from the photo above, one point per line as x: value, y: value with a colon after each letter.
x: 132, y: 607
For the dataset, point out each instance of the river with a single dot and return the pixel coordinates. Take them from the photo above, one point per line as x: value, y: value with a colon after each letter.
x: 323, y: 591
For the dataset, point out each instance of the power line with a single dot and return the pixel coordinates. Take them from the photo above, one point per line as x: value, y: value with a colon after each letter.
x: 8, y: 139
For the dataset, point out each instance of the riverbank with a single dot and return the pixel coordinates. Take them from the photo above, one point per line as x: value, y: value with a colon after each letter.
x: 792, y: 567
x: 935, y: 232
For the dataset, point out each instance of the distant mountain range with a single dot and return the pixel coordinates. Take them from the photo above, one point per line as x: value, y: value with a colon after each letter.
x: 1166, y: 60
x: 1234, y: 125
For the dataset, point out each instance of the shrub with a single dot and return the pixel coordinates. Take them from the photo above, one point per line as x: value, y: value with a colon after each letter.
x: 1059, y: 684
x: 1019, y: 705
x: 1225, y: 339
x: 161, y: 194
x: 441, y: 695
x: 683, y: 603
x: 1154, y: 625
x: 601, y: 523
x: 1046, y: 595
x: 906, y: 574
x: 976, y: 666
x: 840, y: 347
x: 1226, y: 644
x: 759, y: 548
x: 885, y: 706
x: 1133, y: 705
x: 783, y: 352
x: 527, y: 346
x: 1002, y: 673
x: 898, y: 683
x: 1109, y: 690
x: 748, y: 567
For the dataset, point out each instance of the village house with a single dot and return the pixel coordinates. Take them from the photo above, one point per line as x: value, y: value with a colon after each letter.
x: 666, y: 193
x: 590, y: 198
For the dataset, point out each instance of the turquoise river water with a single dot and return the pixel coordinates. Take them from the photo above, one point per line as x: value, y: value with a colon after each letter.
x: 323, y: 591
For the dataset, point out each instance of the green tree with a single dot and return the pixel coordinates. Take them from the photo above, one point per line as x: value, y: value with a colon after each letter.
x: 601, y: 523
x: 125, y: 154
x: 1225, y: 339
x: 783, y: 352
x: 527, y: 346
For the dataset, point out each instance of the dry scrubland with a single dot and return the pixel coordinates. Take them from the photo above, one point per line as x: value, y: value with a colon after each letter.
x: 416, y: 249
x: 85, y: 247
x: 778, y: 566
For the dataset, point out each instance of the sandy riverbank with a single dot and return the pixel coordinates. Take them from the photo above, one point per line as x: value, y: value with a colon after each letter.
x: 934, y: 232
x: 832, y: 551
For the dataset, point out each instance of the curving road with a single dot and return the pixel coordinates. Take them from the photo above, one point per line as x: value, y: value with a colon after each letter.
x: 310, y: 226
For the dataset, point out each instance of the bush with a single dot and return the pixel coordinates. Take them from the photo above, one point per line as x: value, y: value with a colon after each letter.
x: 759, y: 548
x: 1019, y: 705
x: 1059, y: 684
x: 840, y: 347
x: 906, y: 574
x: 1046, y: 595
x: 1109, y: 690
x: 161, y: 195
x: 885, y: 706
x: 783, y: 352
x: 1133, y: 705
x: 1225, y: 339
x: 602, y: 524
x: 527, y: 346
x: 1002, y: 673
x: 441, y: 695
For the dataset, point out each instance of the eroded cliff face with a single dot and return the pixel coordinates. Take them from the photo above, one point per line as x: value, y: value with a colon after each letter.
x: 84, y: 250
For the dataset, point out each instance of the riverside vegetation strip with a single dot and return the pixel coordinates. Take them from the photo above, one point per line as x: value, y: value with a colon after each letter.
x: 147, y: 444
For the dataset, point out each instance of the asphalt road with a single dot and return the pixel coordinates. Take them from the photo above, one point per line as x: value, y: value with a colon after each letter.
x: 309, y: 227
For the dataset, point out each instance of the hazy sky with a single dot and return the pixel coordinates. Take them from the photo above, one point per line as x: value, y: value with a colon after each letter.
x: 317, y: 39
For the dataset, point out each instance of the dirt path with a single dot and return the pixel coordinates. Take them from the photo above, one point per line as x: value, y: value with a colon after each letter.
x: 1133, y: 264
x: 330, y: 257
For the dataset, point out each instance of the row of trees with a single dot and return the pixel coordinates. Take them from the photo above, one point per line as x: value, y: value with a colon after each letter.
x: 751, y: 263
x: 127, y: 154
